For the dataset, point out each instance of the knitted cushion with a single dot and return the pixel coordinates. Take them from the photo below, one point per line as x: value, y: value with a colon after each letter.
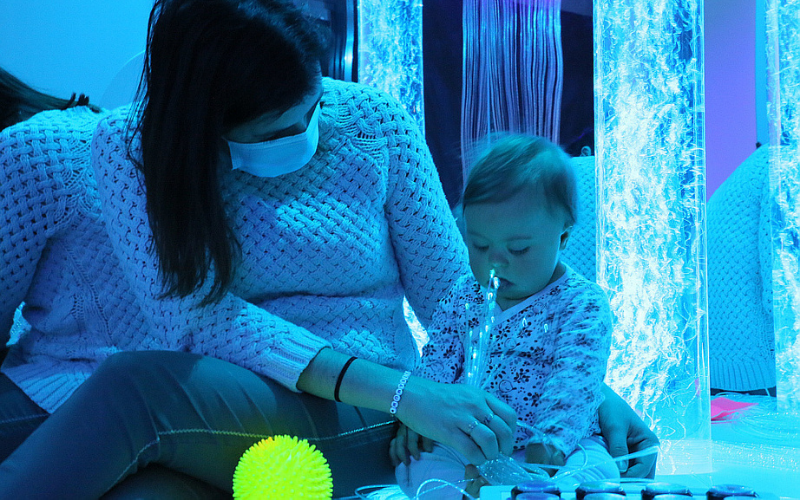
x: 581, y: 249
x: 742, y: 343
x: 739, y: 270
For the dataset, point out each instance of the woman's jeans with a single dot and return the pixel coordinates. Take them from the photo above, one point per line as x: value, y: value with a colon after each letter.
x: 19, y: 416
x: 194, y: 415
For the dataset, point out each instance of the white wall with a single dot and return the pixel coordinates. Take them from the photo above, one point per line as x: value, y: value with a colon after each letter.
x: 730, y: 58
x: 61, y: 47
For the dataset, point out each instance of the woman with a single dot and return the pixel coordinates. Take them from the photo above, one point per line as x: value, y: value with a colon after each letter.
x: 204, y: 84
x: 269, y: 223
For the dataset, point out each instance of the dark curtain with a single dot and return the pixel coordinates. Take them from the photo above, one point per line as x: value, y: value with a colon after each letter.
x: 443, y: 55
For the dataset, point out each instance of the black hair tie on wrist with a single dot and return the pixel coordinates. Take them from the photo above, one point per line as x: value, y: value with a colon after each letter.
x: 341, y: 377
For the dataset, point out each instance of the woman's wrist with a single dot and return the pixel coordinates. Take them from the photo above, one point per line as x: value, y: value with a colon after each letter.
x: 340, y: 379
x: 398, y: 394
x: 364, y: 383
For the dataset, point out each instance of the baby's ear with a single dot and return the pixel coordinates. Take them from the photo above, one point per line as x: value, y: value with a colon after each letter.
x: 565, y: 237
x: 458, y: 214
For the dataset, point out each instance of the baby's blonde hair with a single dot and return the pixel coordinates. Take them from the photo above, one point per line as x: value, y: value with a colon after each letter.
x: 518, y: 162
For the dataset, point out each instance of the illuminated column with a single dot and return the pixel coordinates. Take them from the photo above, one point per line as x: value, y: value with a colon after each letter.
x: 783, y: 56
x: 390, y: 50
x: 390, y: 59
x: 651, y: 244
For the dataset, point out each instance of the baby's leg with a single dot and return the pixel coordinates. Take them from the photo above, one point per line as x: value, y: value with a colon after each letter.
x: 430, y: 477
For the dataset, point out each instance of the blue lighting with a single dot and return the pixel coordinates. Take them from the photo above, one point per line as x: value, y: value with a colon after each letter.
x: 390, y: 51
x: 783, y: 62
x: 650, y: 158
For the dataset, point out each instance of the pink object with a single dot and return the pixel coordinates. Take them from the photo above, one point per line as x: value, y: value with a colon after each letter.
x: 723, y: 408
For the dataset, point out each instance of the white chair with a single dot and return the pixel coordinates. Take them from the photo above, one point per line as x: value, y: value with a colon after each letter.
x: 122, y: 88
x: 740, y: 325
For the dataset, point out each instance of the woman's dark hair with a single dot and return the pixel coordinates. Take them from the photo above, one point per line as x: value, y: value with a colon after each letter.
x: 211, y: 65
x: 19, y: 101
x: 518, y: 162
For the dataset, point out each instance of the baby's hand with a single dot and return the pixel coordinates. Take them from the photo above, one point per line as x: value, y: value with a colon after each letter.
x: 475, y: 481
x: 544, y: 454
x: 407, y: 444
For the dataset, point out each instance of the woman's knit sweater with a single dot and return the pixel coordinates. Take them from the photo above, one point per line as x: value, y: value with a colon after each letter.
x: 56, y: 257
x: 327, y: 252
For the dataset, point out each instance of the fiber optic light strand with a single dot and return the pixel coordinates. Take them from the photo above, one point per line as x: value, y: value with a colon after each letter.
x: 479, y: 339
x: 512, y: 73
x: 783, y: 66
x: 650, y: 160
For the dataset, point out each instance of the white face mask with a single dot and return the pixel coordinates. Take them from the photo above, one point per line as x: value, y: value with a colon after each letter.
x: 278, y: 156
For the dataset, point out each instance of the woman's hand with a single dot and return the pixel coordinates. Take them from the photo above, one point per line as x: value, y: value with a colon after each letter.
x: 469, y: 420
x: 407, y: 444
x: 473, y: 422
x: 626, y: 433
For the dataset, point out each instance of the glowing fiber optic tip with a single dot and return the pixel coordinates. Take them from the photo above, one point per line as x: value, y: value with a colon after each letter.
x: 494, y: 282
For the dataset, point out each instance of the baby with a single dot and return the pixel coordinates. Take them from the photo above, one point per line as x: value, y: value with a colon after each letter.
x: 551, y: 335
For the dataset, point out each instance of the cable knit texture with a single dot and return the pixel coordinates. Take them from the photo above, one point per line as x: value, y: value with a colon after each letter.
x: 548, y: 354
x: 741, y: 336
x: 56, y: 257
x: 740, y: 325
x: 581, y: 251
x: 328, y: 252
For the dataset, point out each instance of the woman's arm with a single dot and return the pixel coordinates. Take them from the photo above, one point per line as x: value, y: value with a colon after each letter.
x: 231, y: 329
x: 442, y: 412
x: 430, y: 251
x: 430, y: 256
x: 31, y: 201
x: 625, y: 432
x: 442, y: 360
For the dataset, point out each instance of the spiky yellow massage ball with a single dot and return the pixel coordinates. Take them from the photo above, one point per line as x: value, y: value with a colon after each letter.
x: 282, y: 467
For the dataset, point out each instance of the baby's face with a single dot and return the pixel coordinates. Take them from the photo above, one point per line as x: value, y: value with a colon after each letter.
x: 521, y: 240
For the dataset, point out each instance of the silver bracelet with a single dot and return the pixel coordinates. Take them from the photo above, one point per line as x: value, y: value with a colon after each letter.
x: 399, y: 392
